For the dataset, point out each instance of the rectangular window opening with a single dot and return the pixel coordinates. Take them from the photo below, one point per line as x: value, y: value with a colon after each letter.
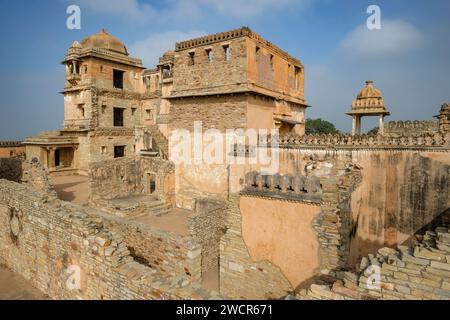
x: 297, y: 71
x: 119, y: 151
x: 226, y: 49
x: 118, y: 79
x: 209, y: 54
x: 118, y: 117
x: 191, y: 58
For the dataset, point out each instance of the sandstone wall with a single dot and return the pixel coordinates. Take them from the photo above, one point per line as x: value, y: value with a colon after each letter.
x: 49, y: 241
x: 167, y: 252
x: 405, y: 273
x: 126, y: 176
x: 207, y: 226
x: 215, y: 76
x: 226, y: 112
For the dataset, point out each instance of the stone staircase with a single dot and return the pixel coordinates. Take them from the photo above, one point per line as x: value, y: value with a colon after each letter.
x: 162, y: 143
x: 158, y: 207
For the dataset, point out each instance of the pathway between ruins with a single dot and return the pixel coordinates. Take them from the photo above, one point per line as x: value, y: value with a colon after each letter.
x: 15, y: 287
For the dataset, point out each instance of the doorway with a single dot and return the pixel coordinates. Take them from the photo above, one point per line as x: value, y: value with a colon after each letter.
x: 57, y: 158
x: 151, y: 183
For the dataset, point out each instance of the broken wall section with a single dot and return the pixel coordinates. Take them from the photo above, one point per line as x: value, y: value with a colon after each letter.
x: 127, y: 177
x: 50, y: 242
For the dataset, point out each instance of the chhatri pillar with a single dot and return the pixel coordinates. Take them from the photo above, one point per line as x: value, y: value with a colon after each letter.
x: 368, y: 102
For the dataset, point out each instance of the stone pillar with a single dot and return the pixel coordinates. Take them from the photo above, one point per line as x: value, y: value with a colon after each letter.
x: 74, y: 67
x: 51, y: 159
x: 357, y: 124
x: 353, y: 125
x: 381, y: 125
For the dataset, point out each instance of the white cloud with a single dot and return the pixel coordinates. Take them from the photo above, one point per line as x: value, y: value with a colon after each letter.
x: 251, y: 8
x: 173, y: 10
x: 394, y: 37
x: 129, y: 9
x: 151, y: 48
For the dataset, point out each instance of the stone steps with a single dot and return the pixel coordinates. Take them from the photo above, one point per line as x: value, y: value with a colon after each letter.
x: 162, y: 144
x: 160, y: 207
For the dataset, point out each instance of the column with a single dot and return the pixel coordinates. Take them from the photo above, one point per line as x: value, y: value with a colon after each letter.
x: 358, y: 124
x: 51, y: 159
x: 353, y: 125
x: 381, y: 125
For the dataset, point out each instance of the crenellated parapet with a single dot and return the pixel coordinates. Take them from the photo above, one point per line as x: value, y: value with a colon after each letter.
x: 229, y: 35
x: 285, y: 187
x: 408, y: 127
x: 435, y: 140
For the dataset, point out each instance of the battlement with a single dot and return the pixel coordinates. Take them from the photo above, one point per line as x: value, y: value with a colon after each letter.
x: 9, y: 144
x: 229, y: 35
x: 411, y: 127
x: 424, y: 141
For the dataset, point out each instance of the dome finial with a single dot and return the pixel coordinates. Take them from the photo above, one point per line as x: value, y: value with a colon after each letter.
x: 104, y: 31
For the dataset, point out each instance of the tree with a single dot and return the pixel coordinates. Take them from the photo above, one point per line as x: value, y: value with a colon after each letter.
x: 373, y: 131
x: 319, y: 126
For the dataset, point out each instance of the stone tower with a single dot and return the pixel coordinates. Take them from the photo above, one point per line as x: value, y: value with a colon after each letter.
x: 369, y: 102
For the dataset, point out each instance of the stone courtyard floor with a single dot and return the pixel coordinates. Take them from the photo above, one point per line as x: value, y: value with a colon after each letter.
x: 71, y: 188
x: 175, y: 221
x: 15, y: 287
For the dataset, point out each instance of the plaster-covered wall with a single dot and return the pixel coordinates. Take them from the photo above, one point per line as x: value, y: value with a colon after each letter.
x: 282, y: 233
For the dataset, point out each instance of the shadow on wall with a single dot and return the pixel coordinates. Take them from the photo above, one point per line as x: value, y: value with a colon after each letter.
x: 442, y: 220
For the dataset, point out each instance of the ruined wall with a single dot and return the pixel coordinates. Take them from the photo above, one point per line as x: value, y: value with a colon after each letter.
x: 167, y: 252
x: 115, y: 178
x: 207, y: 226
x: 126, y: 176
x: 405, y: 273
x: 31, y: 173
x: 404, y: 183
x: 47, y: 241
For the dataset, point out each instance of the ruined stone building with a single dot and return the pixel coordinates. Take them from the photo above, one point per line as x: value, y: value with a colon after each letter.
x: 114, y: 107
x: 312, y: 223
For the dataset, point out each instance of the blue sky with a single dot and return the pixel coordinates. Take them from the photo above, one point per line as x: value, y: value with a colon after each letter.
x: 408, y: 59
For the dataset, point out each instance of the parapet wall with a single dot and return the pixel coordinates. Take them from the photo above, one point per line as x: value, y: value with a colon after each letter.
x: 429, y: 141
x: 411, y: 128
